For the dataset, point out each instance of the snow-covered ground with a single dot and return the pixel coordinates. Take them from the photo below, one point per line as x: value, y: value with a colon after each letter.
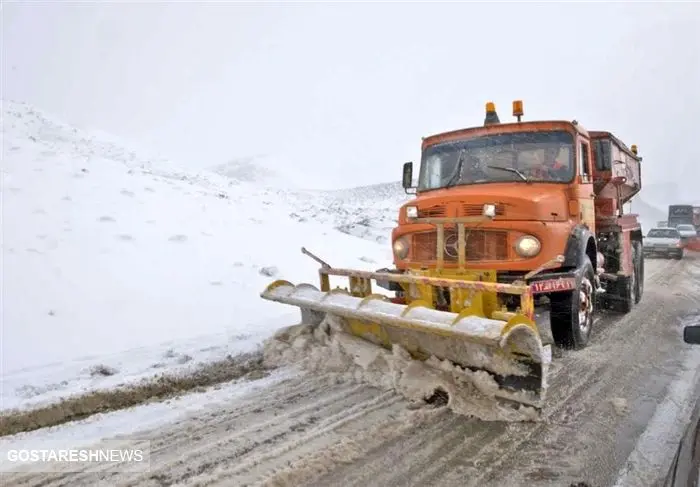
x: 118, y: 260
x: 127, y: 421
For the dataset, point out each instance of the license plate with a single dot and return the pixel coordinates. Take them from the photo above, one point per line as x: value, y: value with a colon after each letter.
x: 553, y: 285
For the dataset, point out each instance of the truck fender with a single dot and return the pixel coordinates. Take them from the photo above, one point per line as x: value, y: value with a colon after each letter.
x: 581, y: 245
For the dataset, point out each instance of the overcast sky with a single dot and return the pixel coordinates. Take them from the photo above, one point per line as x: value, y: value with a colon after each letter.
x: 341, y: 94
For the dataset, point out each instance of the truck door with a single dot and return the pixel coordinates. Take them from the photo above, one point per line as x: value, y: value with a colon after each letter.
x: 583, y: 193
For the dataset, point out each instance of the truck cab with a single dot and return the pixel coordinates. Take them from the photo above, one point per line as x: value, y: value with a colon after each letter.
x: 530, y: 181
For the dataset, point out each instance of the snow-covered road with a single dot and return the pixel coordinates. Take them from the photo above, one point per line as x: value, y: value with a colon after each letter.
x: 304, y: 430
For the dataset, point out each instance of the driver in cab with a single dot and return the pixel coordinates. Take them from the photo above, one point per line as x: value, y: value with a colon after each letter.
x: 550, y: 168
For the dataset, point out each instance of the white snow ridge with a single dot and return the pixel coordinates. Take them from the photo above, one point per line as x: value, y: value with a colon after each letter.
x: 117, y: 266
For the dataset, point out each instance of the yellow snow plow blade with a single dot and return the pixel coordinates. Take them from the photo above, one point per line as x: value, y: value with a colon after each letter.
x: 472, y: 335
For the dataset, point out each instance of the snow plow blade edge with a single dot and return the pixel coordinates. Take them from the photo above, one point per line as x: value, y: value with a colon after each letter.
x: 509, y: 349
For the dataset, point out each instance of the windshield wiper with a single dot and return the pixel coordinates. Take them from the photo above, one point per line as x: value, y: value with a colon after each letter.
x: 458, y: 173
x: 513, y: 170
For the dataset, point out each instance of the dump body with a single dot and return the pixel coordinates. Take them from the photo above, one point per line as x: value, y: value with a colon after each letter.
x: 617, y: 175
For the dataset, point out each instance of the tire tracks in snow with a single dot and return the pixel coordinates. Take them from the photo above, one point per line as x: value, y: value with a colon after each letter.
x: 477, y: 451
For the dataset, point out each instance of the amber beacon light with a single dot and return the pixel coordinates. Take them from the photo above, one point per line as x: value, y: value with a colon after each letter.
x: 518, y: 111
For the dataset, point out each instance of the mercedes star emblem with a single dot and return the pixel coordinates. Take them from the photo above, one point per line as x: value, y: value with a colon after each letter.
x: 452, y: 245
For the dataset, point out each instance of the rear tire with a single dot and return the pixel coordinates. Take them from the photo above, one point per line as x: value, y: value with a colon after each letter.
x: 629, y: 287
x: 639, y: 254
x: 571, y: 313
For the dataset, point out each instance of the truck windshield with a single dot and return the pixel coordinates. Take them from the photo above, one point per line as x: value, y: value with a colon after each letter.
x: 512, y: 157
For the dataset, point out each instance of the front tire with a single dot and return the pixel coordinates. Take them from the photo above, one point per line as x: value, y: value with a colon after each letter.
x: 571, y: 313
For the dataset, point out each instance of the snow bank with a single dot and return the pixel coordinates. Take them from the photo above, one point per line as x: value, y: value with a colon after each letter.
x: 350, y: 358
x: 114, y: 259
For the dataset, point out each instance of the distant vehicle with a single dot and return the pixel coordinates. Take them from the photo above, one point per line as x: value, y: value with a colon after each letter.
x: 684, y: 468
x: 666, y: 242
x: 680, y: 215
x: 662, y: 224
x: 687, y: 231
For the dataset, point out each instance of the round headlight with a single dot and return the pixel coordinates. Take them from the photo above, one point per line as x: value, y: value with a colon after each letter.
x: 527, y: 246
x: 401, y: 248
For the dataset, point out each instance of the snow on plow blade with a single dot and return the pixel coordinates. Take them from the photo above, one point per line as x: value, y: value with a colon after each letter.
x: 507, y: 345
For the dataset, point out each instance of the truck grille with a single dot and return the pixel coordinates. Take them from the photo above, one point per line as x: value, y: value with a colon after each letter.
x: 465, y: 209
x: 477, y: 210
x: 481, y: 245
x: 432, y: 212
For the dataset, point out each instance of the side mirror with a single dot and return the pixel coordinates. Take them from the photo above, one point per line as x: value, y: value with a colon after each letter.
x: 691, y: 334
x: 407, y: 176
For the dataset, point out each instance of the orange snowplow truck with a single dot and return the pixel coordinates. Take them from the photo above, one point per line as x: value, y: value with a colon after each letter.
x: 537, y: 202
x: 506, y: 215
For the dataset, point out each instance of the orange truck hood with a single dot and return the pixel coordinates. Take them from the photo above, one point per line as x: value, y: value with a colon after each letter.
x: 536, y: 201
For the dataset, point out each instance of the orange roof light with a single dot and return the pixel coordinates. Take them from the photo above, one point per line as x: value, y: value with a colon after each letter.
x: 634, y: 149
x: 490, y: 107
x: 518, y: 108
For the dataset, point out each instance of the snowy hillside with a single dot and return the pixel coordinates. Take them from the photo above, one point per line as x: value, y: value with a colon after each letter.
x: 265, y: 170
x: 247, y: 169
x: 368, y: 212
x: 106, y: 251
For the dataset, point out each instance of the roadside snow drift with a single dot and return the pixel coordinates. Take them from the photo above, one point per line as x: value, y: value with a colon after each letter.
x: 116, y: 266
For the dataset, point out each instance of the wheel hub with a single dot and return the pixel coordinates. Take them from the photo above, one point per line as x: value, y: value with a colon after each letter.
x: 585, y: 305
